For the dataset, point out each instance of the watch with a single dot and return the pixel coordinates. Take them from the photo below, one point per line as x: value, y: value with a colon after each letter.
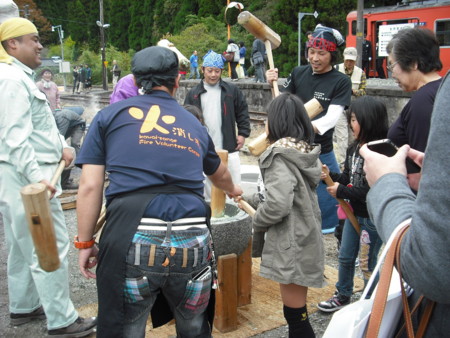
x: 83, y: 245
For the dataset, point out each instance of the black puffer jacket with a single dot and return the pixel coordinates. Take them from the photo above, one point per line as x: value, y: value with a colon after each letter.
x: 358, y: 192
x: 234, y: 111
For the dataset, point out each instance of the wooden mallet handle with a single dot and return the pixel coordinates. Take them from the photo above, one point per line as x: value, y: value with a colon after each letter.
x: 275, y: 88
x: 58, y: 172
x: 329, y: 182
x: 247, y: 208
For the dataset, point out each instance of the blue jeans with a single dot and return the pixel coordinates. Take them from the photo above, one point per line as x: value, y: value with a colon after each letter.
x: 194, y: 73
x: 76, y: 109
x: 149, y: 274
x: 368, y: 245
x: 260, y: 73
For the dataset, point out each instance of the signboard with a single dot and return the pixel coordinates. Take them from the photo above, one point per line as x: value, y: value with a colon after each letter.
x: 64, y: 67
x: 385, y: 34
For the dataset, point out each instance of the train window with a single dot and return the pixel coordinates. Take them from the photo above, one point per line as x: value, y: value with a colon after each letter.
x: 443, y: 32
x: 354, y: 27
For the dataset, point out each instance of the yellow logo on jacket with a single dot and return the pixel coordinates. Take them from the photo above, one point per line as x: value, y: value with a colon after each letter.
x: 151, y: 120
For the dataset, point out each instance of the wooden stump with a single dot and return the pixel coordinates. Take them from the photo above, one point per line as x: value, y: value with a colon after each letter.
x: 226, y: 295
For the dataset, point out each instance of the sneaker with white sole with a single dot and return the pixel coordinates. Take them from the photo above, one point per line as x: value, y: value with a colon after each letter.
x: 335, y: 303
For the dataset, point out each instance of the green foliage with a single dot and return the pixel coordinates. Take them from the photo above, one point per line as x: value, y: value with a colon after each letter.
x: 123, y: 60
x: 119, y: 19
x: 208, y: 7
x: 77, y: 32
x: 95, y: 63
x: 68, y: 46
x: 135, y: 29
x: 207, y: 34
x: 189, y: 24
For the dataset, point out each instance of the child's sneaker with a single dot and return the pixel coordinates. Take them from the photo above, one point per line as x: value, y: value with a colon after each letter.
x: 335, y: 303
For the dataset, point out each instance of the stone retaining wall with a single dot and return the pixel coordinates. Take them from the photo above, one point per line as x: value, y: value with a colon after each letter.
x: 258, y: 96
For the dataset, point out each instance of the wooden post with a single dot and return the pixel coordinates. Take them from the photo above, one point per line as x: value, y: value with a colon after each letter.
x: 244, y: 276
x: 217, y: 195
x: 40, y: 221
x: 226, y: 295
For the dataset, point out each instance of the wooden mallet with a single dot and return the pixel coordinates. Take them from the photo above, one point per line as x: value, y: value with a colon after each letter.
x: 263, y: 32
x: 38, y: 213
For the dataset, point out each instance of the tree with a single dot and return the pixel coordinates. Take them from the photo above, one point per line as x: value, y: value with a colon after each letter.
x: 29, y: 10
x: 136, y: 28
x: 120, y: 18
x: 77, y: 30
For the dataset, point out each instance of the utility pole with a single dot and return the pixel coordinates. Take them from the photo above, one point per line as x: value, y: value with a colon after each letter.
x: 61, y: 37
x: 102, y: 37
x: 359, y: 31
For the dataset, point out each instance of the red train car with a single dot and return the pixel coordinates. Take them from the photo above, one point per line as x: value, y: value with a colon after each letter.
x: 380, y: 23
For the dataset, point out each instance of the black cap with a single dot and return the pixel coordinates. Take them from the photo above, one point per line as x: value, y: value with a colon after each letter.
x: 155, y: 66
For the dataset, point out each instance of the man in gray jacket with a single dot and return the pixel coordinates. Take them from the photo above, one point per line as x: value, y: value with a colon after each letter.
x: 426, y: 246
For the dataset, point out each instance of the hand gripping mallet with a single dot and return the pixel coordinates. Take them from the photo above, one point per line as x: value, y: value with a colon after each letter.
x: 329, y: 182
x: 261, y: 31
x: 40, y: 221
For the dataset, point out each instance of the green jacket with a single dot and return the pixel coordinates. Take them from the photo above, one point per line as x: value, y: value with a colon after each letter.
x: 290, y: 215
x: 28, y: 133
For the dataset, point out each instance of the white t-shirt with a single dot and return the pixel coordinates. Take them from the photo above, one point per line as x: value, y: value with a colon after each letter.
x: 212, y: 113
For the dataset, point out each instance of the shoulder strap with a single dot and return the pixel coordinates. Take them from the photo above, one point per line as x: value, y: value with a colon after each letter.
x: 393, y: 258
x: 379, y: 303
x: 406, y: 311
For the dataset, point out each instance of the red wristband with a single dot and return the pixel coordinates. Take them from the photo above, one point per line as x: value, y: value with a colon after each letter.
x: 83, y: 245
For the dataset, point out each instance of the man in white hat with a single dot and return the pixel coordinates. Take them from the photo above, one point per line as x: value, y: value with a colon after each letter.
x: 355, y: 73
x: 358, y: 78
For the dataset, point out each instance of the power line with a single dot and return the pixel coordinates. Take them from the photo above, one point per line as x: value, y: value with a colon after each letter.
x: 84, y: 23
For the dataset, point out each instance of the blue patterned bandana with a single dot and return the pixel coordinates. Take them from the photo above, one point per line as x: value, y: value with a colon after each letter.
x: 212, y: 59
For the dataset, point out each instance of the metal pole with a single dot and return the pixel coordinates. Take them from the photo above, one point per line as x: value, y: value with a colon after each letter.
x: 359, y: 31
x: 60, y: 32
x: 102, y: 37
x: 300, y: 16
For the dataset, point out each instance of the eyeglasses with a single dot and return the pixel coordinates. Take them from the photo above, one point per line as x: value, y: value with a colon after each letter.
x: 391, y: 66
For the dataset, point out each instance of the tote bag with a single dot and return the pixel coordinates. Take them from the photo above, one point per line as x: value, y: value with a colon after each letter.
x: 352, y: 320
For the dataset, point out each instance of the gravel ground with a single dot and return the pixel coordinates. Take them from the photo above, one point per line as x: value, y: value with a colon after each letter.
x: 83, y: 292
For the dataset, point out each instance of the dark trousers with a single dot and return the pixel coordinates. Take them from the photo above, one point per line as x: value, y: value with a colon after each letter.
x: 233, y: 70
x: 380, y: 69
